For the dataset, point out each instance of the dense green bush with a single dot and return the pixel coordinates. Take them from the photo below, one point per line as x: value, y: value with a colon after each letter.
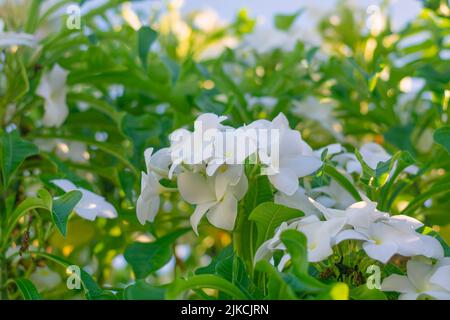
x: 80, y: 109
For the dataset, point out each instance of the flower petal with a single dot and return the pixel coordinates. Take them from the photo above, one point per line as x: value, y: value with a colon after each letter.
x: 198, y: 214
x: 223, y: 214
x: 381, y: 252
x: 194, y: 188
x: 398, y: 283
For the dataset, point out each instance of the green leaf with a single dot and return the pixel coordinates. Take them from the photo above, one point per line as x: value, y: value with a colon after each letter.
x: 304, y: 284
x: 442, y: 137
x: 141, y: 290
x: 438, y: 189
x: 378, y: 177
x: 295, y: 243
x: 27, y: 289
x: 260, y: 192
x: 62, y: 207
x: 146, y: 258
x: 268, y: 216
x: 221, y: 256
x: 140, y: 129
x: 298, y: 278
x: 277, y: 288
x: 33, y: 16
x: 146, y: 37
x: 91, y: 288
x: 43, y: 202
x: 203, y: 281
x: 285, y: 22
x: 14, y: 151
x: 233, y: 270
x: 364, y: 293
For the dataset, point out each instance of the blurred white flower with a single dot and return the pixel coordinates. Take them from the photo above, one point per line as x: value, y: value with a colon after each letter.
x: 207, y: 20
x: 322, y: 112
x: 372, y: 153
x: 45, y: 279
x: 376, y: 20
x: 10, y: 39
x: 91, y: 205
x: 264, y: 40
x: 333, y: 195
x: 67, y: 150
x: 215, y: 48
x: 52, y: 88
x: 268, y: 103
x: 423, y: 280
x: 130, y: 16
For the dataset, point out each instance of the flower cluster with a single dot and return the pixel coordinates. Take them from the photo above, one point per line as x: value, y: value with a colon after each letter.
x: 382, y: 235
x: 216, y: 180
x: 210, y: 174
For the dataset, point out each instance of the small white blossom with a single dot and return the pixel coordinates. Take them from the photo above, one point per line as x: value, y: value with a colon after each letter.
x: 91, y: 205
x: 423, y: 280
x: 52, y: 88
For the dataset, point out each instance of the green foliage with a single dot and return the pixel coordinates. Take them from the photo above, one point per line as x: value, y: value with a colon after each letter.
x: 284, y: 22
x: 146, y: 258
x: 62, y: 207
x: 27, y: 289
x: 204, y: 281
x: 141, y: 290
x: 146, y: 37
x: 268, y: 216
x: 129, y: 85
x: 14, y: 151
x: 442, y: 136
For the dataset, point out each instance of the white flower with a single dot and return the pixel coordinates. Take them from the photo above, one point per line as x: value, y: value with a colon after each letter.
x: 45, y: 279
x: 267, y: 102
x: 216, y: 196
x: 52, y: 88
x: 148, y: 202
x: 299, y: 200
x: 322, y: 112
x: 10, y: 39
x: 383, y: 236
x: 215, y: 49
x: 422, y: 280
x: 91, y: 205
x: 264, y: 40
x: 197, y: 146
x: 232, y: 147
x: 332, y: 150
x: 372, y: 154
x: 288, y: 157
x: 333, y: 195
x: 267, y: 248
x: 319, y: 235
x: 67, y: 150
x: 207, y: 20
x: 130, y: 16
